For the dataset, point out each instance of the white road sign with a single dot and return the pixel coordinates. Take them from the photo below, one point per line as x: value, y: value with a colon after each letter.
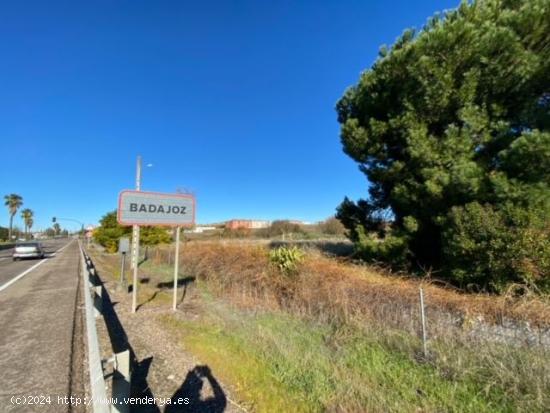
x: 123, y: 245
x: 153, y: 208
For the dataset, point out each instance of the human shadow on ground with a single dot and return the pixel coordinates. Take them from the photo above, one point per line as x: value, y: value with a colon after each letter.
x: 188, y: 398
x: 141, y: 281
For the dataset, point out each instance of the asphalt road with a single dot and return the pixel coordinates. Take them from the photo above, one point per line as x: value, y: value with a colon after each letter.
x: 37, y: 318
x: 10, y: 269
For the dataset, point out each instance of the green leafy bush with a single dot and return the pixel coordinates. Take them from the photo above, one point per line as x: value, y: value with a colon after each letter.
x: 154, y: 235
x: 392, y: 249
x: 492, y: 247
x: 110, y: 231
x: 286, y: 258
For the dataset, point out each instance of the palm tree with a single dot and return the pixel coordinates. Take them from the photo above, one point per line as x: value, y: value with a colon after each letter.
x: 30, y: 222
x: 13, y: 202
x: 27, y: 215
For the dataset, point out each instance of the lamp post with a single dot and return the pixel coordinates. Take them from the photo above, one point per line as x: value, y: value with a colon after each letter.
x: 135, y: 242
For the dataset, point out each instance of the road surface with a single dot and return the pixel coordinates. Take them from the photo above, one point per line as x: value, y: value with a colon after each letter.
x: 37, y: 319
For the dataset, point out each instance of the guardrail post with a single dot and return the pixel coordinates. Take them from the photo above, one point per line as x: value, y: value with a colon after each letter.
x: 98, y: 300
x: 121, y: 382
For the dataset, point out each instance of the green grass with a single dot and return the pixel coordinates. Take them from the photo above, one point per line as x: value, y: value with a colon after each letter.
x: 281, y: 363
x: 164, y: 272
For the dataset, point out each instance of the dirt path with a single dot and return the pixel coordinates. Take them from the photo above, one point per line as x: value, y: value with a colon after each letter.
x: 162, y: 368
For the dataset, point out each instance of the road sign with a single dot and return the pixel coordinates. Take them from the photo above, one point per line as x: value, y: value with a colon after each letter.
x: 124, y: 245
x: 153, y: 208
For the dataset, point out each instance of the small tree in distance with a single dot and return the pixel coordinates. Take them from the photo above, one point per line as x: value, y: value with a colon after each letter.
x: 110, y: 231
x: 282, y: 228
x: 332, y: 226
x: 57, y: 228
x: 4, y: 233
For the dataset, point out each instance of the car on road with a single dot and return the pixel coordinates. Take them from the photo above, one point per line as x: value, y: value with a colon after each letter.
x: 28, y: 250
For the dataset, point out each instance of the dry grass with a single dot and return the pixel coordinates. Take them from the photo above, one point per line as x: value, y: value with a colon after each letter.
x: 336, y: 335
x: 329, y: 288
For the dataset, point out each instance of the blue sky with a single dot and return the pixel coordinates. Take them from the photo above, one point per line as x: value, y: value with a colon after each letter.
x: 232, y: 100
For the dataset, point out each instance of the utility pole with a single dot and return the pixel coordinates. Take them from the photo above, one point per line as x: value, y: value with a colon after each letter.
x: 135, y: 241
x: 135, y: 228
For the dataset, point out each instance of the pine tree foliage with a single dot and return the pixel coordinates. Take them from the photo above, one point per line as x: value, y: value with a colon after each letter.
x: 451, y: 126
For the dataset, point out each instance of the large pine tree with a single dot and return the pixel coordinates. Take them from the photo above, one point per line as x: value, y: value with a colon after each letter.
x: 451, y: 126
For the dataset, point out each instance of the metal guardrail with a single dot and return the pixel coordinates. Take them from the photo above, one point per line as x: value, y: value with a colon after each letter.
x: 121, y: 380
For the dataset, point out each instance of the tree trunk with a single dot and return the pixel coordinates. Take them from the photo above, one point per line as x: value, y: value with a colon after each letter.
x: 11, y: 227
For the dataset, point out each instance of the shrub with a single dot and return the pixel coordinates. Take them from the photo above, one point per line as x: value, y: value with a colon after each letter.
x: 4, y: 234
x: 332, y: 226
x: 392, y: 250
x: 154, y: 236
x: 286, y: 258
x: 282, y: 227
x: 491, y: 247
x: 236, y: 233
x: 110, y: 231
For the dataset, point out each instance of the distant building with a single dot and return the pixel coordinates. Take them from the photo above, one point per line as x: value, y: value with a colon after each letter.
x: 247, y: 223
x: 201, y: 229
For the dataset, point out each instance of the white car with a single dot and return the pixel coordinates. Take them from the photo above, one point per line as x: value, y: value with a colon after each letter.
x: 28, y: 250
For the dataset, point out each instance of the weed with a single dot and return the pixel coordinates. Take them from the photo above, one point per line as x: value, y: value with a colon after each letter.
x: 286, y: 259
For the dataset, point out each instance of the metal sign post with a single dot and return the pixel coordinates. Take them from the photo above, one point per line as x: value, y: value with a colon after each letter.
x: 135, y: 277
x: 176, y: 268
x: 123, y: 249
x: 152, y: 208
x: 122, y: 267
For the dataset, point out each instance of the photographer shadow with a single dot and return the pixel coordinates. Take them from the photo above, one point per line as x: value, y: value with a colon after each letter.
x: 188, y: 398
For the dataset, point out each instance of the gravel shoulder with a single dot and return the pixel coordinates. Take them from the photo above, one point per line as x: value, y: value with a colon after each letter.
x: 162, y: 368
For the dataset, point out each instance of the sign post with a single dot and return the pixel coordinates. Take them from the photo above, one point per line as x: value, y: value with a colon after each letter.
x: 176, y: 268
x: 122, y: 267
x: 123, y: 249
x: 152, y: 208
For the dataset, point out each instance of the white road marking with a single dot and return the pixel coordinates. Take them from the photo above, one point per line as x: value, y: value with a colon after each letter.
x: 18, y: 277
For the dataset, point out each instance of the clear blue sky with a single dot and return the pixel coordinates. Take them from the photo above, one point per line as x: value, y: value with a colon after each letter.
x: 232, y: 100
